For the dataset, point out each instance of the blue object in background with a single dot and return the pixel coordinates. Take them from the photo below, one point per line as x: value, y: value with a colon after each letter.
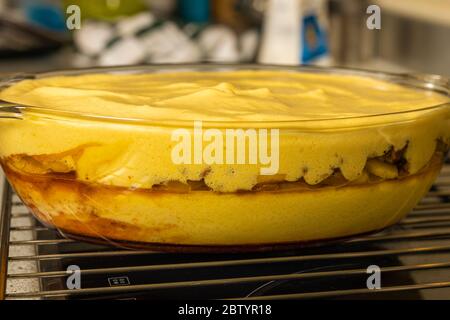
x: 314, y: 39
x: 194, y: 10
x: 45, y: 15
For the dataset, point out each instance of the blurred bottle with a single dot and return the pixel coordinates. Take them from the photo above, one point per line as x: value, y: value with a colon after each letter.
x: 281, y: 33
x: 294, y: 32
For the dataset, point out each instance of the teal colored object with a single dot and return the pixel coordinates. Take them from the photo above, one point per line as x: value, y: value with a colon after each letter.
x: 45, y: 15
x: 194, y: 10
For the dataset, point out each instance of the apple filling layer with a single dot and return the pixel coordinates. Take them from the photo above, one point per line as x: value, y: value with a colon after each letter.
x: 392, y: 165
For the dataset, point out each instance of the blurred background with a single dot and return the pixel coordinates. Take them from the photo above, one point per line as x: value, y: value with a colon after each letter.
x: 35, y: 36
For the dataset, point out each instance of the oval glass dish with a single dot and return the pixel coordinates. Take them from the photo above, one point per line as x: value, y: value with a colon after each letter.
x: 98, y: 153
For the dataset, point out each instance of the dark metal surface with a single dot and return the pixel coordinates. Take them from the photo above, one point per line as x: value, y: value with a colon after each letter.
x: 4, y: 237
x: 414, y: 257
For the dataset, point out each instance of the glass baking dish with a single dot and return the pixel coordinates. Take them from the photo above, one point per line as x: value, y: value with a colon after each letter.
x: 87, y: 174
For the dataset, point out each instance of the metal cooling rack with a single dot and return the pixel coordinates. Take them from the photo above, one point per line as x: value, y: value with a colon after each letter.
x: 414, y: 257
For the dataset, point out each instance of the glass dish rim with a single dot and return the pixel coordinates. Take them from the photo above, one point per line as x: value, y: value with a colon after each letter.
x: 421, y: 81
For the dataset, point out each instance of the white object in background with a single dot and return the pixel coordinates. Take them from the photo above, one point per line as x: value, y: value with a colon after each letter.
x: 168, y: 44
x: 80, y: 60
x: 219, y: 44
x: 129, y: 26
x: 93, y: 37
x: 281, y: 38
x: 248, y: 43
x: 125, y: 51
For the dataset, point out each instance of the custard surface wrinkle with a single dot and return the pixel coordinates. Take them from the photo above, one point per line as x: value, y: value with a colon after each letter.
x: 221, y: 96
x: 139, y: 156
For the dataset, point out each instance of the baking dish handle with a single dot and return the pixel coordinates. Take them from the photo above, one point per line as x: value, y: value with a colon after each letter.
x: 10, y: 110
x: 431, y: 81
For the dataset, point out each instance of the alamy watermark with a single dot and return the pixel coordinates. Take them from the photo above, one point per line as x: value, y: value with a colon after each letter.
x: 374, y: 20
x: 73, y: 21
x: 227, y: 146
x: 374, y: 280
x: 74, y: 279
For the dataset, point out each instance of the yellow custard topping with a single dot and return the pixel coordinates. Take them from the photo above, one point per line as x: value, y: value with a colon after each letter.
x: 221, y: 96
x: 139, y: 156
